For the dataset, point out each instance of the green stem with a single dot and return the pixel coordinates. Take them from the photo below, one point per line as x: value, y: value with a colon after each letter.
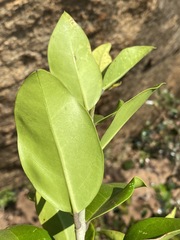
x: 80, y: 225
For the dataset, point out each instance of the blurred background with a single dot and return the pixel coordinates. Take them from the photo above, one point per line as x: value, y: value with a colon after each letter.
x: 148, y: 146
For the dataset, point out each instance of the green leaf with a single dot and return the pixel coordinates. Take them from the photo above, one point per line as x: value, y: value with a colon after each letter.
x: 102, y: 56
x: 126, y: 60
x: 7, y: 234
x: 100, y: 118
x: 64, y: 165
x: 169, y: 235
x: 111, y: 196
x: 60, y: 225
x: 90, y: 233
x: 125, y: 112
x: 71, y: 61
x: 153, y: 228
x: 113, y: 235
x: 23, y: 232
x: 172, y: 214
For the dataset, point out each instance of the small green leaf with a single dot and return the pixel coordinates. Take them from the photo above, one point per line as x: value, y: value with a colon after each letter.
x: 172, y: 214
x: 115, y: 85
x: 153, y: 228
x: 126, y: 60
x: 126, y: 111
x: 24, y: 232
x: 60, y: 225
x: 112, y: 235
x: 90, y: 233
x: 102, y: 56
x: 111, y: 196
x: 100, y: 118
x: 72, y: 62
x: 64, y: 165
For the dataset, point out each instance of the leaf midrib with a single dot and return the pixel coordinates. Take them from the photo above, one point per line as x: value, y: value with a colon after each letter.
x: 55, y: 140
x: 77, y: 73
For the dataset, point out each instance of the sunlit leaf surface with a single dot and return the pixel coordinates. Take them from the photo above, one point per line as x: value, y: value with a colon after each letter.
x: 102, y: 56
x: 71, y: 61
x: 156, y: 228
x: 126, y: 60
x: 24, y: 232
x: 111, y: 196
x: 124, y: 113
x: 58, y: 144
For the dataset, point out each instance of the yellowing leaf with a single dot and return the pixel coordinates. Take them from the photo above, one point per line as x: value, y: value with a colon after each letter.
x: 102, y: 56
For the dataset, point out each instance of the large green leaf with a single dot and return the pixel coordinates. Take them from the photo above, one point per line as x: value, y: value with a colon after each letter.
x: 111, y: 196
x: 58, y: 144
x: 71, y: 61
x: 112, y: 235
x: 153, y: 228
x: 102, y: 56
x: 126, y: 111
x: 24, y: 232
x: 60, y: 225
x: 126, y: 60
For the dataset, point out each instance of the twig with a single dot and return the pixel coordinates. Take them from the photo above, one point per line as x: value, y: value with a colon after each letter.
x: 80, y: 225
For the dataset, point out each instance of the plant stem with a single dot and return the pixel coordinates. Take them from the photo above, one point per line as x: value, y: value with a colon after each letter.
x: 80, y: 225
x: 91, y: 112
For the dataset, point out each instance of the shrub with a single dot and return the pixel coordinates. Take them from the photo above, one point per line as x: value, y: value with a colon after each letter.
x: 59, y: 147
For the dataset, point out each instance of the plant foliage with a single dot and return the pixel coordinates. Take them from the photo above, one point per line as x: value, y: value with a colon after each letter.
x: 59, y: 147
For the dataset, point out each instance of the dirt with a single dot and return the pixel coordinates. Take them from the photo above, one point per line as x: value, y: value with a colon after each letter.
x: 25, y: 29
x: 20, y: 212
